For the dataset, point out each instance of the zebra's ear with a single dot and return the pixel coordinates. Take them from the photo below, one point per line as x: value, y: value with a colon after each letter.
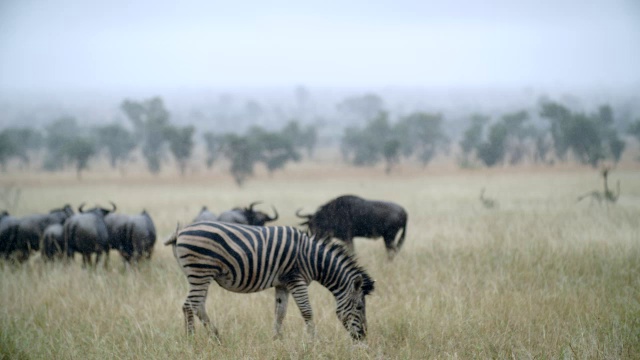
x: 357, y: 283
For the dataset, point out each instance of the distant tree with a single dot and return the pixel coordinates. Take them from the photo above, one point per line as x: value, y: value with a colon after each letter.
x: 634, y: 129
x: 242, y: 154
x: 518, y: 132
x: 181, y: 144
x: 472, y: 137
x: 391, y: 154
x: 150, y: 118
x: 561, y: 119
x: 275, y: 149
x: 301, y: 138
x: 422, y: 134
x: 118, y: 142
x: 78, y: 151
x: 58, y: 134
x: 364, y: 146
x: 492, y: 151
x: 543, y: 146
x: 24, y: 142
x: 592, y: 138
x: 363, y: 107
x: 213, y: 145
x: 309, y: 137
x: 8, y: 149
x: 357, y: 149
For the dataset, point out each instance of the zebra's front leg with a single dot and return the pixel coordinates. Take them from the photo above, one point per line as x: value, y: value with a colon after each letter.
x: 282, y: 297
x: 300, y: 294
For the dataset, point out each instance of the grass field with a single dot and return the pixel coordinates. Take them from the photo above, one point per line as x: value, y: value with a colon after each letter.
x: 541, y: 276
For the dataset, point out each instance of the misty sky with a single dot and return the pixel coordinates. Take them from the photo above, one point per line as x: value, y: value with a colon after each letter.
x: 79, y: 44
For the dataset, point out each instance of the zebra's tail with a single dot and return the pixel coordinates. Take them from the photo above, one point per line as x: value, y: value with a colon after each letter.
x: 173, y: 238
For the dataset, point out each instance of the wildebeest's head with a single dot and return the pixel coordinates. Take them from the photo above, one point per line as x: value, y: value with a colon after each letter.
x: 258, y: 218
x: 98, y: 210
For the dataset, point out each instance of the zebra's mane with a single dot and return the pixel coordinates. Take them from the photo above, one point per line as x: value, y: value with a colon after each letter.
x: 350, y: 260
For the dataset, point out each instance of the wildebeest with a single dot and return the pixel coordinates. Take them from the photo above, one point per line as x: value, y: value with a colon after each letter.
x: 247, y: 216
x: 205, y: 215
x: 7, y: 234
x: 23, y: 235
x: 132, y: 235
x: 86, y: 233
x: 52, y: 244
x: 350, y: 216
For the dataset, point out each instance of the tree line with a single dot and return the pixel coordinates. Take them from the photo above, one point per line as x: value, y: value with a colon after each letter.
x: 562, y: 135
x: 65, y: 143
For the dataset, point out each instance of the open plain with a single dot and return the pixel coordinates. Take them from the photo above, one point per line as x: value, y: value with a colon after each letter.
x: 538, y: 276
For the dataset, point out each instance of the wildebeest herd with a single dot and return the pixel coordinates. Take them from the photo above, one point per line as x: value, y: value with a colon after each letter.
x: 234, y: 249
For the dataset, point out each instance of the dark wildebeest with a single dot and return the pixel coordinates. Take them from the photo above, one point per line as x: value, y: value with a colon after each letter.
x: 350, y: 216
x: 247, y: 216
x: 23, y: 235
x: 7, y: 234
x: 87, y: 233
x: 132, y: 235
x: 205, y: 215
x: 52, y: 247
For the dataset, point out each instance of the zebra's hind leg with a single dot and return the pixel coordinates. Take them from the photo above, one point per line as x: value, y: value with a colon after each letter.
x: 195, y: 302
x: 282, y: 297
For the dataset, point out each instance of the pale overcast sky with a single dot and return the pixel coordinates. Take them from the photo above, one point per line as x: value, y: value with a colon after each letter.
x: 80, y: 44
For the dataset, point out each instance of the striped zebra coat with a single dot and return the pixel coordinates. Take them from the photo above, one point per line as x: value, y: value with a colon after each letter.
x: 248, y: 259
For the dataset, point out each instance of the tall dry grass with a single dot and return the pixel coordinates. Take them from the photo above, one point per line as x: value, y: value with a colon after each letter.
x: 541, y: 276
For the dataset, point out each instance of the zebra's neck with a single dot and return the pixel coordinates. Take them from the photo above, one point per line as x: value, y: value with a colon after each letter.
x: 328, y: 264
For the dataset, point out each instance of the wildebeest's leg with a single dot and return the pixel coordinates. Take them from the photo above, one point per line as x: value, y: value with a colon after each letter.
x: 348, y: 242
x: 390, y: 246
x: 300, y: 294
x: 282, y: 297
x: 98, y: 256
x: 86, y: 260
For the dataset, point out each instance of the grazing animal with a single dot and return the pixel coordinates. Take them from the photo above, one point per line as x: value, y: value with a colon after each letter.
x: 350, y: 216
x: 607, y: 195
x: 8, y: 231
x: 132, y: 235
x: 23, y: 235
x: 205, y: 215
x: 486, y: 202
x: 52, y: 247
x: 87, y: 233
x: 247, y: 259
x: 247, y: 216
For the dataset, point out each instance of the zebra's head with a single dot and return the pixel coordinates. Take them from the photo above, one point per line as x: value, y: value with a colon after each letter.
x: 351, y: 308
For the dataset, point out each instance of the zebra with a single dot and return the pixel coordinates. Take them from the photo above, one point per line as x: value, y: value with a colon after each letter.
x: 247, y: 259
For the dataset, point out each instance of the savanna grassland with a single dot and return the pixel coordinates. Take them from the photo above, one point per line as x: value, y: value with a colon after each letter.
x: 539, y: 276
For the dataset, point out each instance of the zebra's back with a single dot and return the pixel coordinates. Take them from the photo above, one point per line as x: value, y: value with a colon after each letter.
x: 239, y: 258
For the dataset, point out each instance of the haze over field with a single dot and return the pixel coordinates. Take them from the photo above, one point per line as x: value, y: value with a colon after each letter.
x: 76, y: 45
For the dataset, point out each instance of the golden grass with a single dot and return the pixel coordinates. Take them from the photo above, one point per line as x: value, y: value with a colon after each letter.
x: 539, y: 277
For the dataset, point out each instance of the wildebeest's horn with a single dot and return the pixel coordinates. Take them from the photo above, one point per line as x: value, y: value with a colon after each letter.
x: 80, y: 208
x: 113, y: 205
x: 276, y: 212
x: 302, y: 216
x: 253, y: 204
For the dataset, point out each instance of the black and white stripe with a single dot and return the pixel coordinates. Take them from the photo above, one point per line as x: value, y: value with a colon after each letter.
x: 248, y: 259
